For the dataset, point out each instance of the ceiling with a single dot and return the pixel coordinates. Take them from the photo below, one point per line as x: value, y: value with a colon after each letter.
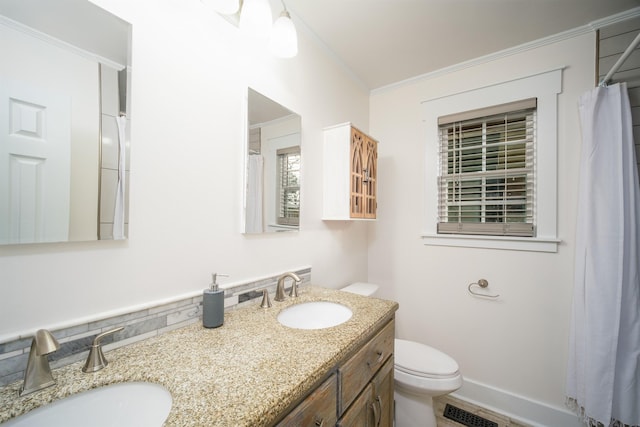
x: 387, y: 41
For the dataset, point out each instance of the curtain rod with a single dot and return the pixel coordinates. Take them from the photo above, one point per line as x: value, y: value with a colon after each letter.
x: 620, y: 61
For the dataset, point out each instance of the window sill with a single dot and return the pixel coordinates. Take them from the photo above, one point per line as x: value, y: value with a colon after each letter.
x: 530, y: 244
x: 282, y: 227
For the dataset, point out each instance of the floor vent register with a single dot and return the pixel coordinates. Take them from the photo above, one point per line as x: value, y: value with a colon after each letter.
x: 466, y: 418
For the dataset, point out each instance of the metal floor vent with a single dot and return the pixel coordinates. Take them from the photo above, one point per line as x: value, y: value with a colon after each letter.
x: 466, y: 418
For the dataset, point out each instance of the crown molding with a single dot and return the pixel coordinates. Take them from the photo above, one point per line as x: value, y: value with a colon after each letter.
x: 565, y: 35
x: 17, y: 26
x: 614, y: 19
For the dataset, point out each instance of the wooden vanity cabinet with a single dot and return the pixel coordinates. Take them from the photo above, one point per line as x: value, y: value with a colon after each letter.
x: 358, y: 392
x: 317, y: 409
x: 350, y: 174
x: 366, y: 382
x: 374, y: 406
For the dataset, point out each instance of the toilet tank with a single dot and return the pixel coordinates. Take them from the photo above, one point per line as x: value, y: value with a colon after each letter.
x: 361, y: 288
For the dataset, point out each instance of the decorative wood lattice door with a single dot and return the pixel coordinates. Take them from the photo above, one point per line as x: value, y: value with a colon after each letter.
x: 364, y: 155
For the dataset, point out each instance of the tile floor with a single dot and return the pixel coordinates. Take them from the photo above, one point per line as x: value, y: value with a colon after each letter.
x: 440, y: 402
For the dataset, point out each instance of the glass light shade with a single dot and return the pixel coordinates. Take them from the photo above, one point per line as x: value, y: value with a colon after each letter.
x: 224, y: 7
x: 255, y: 18
x: 284, y: 39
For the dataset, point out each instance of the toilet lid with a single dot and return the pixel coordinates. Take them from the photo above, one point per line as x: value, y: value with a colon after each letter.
x: 421, y: 360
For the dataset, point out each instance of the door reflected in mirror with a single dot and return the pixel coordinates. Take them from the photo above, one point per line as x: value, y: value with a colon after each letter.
x: 64, y: 127
x: 273, y: 159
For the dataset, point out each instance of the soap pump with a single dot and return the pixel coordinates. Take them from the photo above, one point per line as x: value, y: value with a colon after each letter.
x: 213, y: 304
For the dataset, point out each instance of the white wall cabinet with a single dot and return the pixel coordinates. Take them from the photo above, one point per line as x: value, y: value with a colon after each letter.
x: 350, y: 171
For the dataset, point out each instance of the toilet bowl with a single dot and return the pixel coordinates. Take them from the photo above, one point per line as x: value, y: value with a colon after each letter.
x: 420, y: 373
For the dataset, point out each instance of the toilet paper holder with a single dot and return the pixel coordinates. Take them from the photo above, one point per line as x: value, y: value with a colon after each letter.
x: 482, y: 283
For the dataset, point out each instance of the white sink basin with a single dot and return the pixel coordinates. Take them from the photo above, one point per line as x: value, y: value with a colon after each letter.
x: 119, y: 405
x: 314, y: 315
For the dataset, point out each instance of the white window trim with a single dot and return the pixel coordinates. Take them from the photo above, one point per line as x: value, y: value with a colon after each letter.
x: 545, y: 86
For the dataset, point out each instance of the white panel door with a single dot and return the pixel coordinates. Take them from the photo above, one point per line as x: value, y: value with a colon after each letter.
x: 35, y: 141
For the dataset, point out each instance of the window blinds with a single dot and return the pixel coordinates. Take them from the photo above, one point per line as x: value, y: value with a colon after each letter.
x: 288, y: 186
x: 486, y: 177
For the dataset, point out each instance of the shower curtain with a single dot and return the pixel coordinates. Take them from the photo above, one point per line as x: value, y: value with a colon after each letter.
x: 119, y: 211
x: 253, y: 220
x: 603, y: 379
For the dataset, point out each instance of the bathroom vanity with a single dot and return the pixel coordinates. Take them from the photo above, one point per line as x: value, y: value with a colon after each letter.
x: 253, y: 371
x: 359, y: 390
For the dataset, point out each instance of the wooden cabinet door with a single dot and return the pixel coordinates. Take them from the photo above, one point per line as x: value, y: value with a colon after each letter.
x: 370, y: 175
x: 318, y: 409
x: 374, y: 406
x: 361, y: 413
x: 382, y: 397
x: 357, y: 156
x: 355, y: 373
x: 364, y: 174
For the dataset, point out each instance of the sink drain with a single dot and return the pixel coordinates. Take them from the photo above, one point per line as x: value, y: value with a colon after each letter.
x: 466, y: 418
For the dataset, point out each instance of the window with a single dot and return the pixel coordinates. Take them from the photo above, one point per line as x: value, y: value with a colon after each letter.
x: 544, y: 87
x: 486, y: 171
x: 288, y: 171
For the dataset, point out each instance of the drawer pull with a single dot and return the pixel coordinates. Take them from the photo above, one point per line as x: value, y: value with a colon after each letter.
x: 319, y: 422
x: 374, y: 409
x: 379, y: 402
x: 378, y: 360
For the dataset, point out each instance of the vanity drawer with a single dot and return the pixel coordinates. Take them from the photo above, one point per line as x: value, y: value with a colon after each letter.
x: 318, y: 409
x: 356, y: 373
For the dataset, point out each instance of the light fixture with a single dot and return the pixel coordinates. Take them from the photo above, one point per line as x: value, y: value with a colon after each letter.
x: 284, y: 40
x: 255, y: 18
x: 224, y: 7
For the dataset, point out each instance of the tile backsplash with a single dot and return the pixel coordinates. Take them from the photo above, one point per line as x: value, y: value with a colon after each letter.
x: 76, y: 340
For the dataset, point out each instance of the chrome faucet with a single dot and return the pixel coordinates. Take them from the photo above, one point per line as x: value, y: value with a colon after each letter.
x: 38, y: 373
x: 280, y: 287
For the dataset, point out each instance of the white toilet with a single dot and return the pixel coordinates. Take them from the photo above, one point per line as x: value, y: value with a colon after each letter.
x: 421, y: 372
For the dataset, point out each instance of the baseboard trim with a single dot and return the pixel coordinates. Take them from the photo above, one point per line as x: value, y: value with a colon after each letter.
x: 516, y: 407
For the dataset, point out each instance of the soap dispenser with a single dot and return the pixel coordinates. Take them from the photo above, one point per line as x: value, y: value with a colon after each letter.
x: 213, y: 304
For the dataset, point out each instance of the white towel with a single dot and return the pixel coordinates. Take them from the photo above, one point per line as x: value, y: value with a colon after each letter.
x: 119, y: 211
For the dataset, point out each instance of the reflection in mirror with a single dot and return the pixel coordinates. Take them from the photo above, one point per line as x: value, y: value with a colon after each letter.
x: 272, y: 190
x: 64, y: 82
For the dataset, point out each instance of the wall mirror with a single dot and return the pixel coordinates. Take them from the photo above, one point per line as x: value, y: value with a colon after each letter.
x: 64, y: 127
x: 272, y: 184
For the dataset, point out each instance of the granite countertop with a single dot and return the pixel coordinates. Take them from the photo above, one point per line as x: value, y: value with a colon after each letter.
x: 245, y: 373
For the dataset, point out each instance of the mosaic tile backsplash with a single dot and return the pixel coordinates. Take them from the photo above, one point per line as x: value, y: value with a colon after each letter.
x: 76, y: 340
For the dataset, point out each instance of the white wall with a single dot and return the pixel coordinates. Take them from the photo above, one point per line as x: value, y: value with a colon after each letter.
x: 190, y: 73
x: 518, y: 343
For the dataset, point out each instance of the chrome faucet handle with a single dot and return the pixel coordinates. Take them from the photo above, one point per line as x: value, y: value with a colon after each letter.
x: 38, y: 374
x: 266, y: 302
x: 96, y: 360
x: 293, y: 293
